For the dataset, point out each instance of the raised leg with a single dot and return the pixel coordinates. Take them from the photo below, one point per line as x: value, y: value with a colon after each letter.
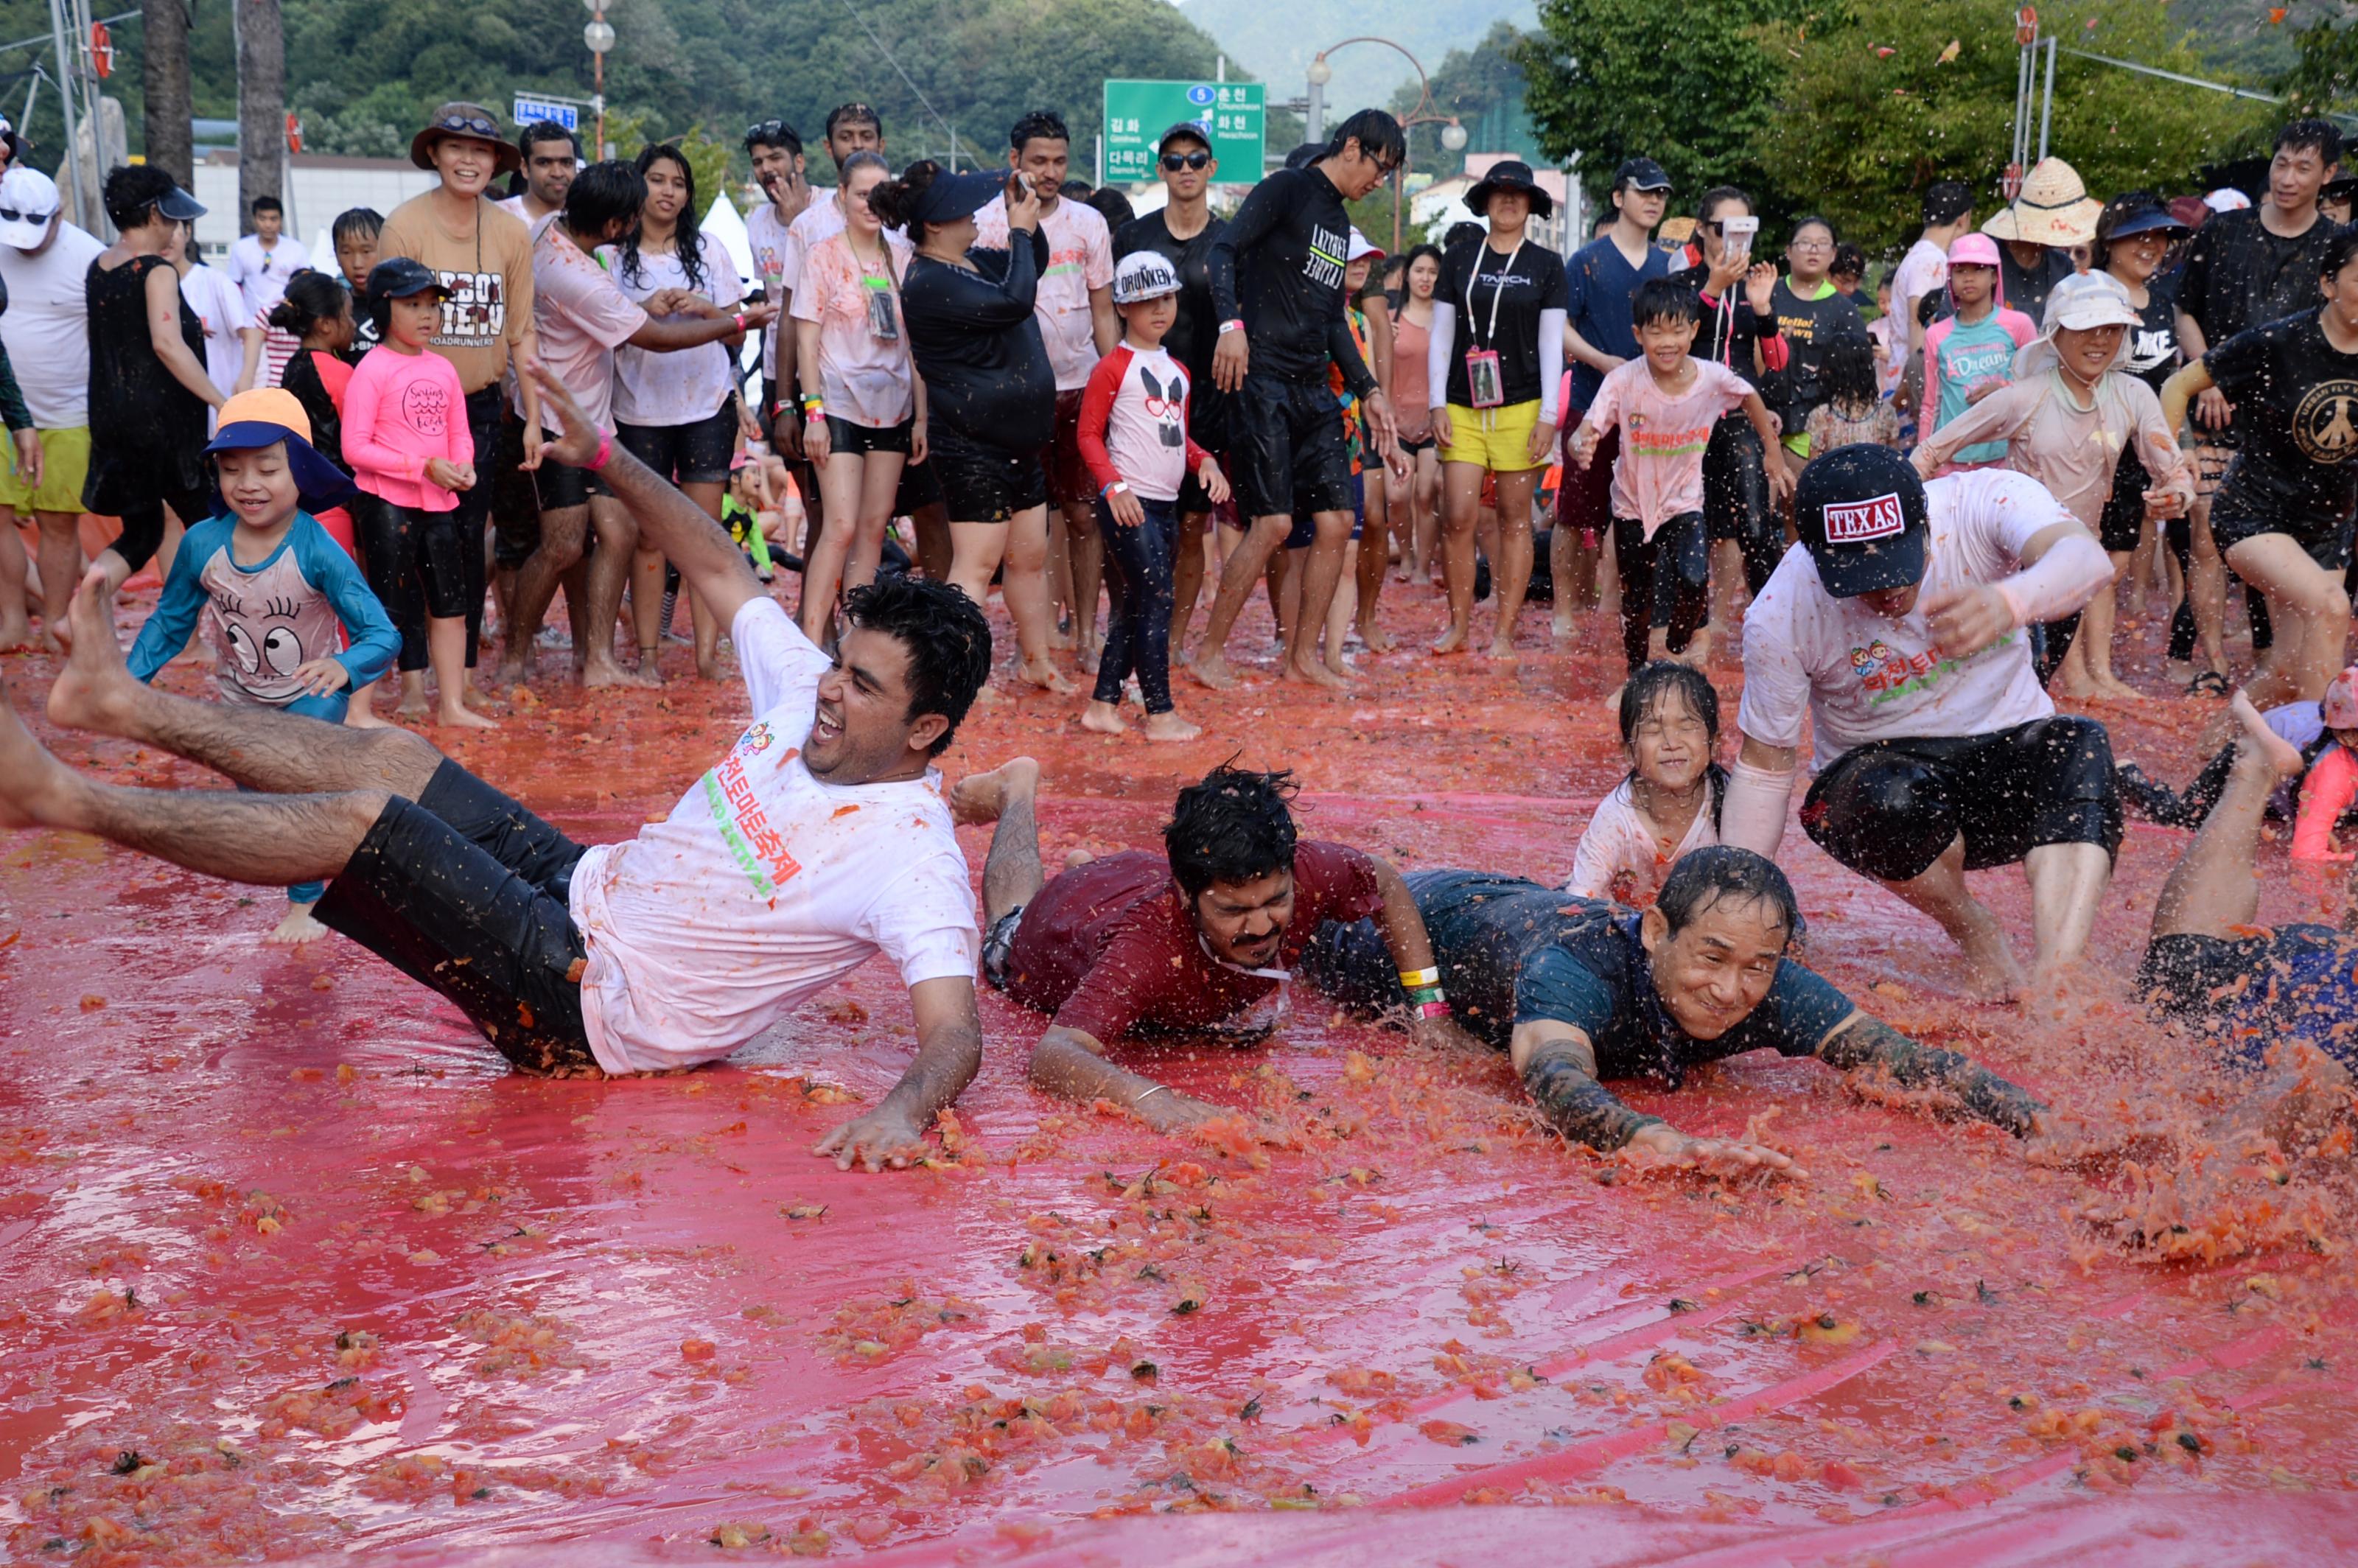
x: 2212, y: 889
x: 1012, y: 873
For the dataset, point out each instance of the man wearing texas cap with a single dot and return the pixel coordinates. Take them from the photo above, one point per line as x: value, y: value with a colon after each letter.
x: 1904, y: 633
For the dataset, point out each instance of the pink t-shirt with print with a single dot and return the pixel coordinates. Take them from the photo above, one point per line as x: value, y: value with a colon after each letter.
x: 1658, y: 474
x: 580, y: 316
x: 863, y: 378
x: 1080, y: 257
x: 401, y: 411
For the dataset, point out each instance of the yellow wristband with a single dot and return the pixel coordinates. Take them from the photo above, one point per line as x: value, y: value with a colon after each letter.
x: 1416, y: 980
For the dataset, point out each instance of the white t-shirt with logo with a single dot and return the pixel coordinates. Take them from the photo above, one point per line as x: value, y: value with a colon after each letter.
x: 1080, y: 258
x: 764, y: 886
x: 261, y: 276
x: 682, y: 386
x: 46, y: 327
x: 1620, y: 859
x: 1860, y: 676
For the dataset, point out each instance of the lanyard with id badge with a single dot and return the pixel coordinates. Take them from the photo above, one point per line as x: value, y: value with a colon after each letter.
x: 1484, y: 384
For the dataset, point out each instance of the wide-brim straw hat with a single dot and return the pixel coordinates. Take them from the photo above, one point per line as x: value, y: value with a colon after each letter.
x: 2053, y: 209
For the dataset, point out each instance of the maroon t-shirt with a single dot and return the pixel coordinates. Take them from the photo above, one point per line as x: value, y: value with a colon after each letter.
x: 1109, y: 947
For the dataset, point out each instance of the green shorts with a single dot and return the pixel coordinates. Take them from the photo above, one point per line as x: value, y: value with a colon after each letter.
x: 65, y: 462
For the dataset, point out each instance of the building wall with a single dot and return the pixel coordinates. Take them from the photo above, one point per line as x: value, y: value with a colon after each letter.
x: 318, y: 187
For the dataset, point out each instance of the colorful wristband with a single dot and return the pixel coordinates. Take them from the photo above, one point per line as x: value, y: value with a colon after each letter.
x: 605, y: 451
x: 1227, y: 327
x: 1433, y: 1009
x: 1415, y: 979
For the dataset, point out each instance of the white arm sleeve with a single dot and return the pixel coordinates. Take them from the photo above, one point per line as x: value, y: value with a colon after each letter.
x: 2064, y: 580
x: 1752, y: 816
x: 1439, y: 342
x: 1552, y: 324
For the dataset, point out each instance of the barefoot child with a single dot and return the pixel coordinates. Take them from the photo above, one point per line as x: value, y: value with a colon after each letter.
x: 317, y: 312
x: 1670, y: 803
x: 2066, y: 418
x: 406, y: 439
x: 270, y: 589
x: 1664, y: 403
x: 1134, y: 436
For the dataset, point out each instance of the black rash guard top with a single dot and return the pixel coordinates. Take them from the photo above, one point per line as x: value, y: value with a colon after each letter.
x: 978, y: 345
x: 1278, y: 266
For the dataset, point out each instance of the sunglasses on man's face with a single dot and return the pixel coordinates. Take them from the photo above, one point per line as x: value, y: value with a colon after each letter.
x: 1175, y: 162
x: 8, y: 217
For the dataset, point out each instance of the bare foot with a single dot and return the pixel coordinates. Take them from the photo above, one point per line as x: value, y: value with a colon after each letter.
x: 1503, y: 648
x: 2110, y: 688
x: 1087, y: 655
x: 360, y: 715
x: 298, y: 928
x: 707, y: 666
x: 981, y: 798
x: 1697, y: 652
x: 30, y: 779
x: 1212, y: 669
x: 511, y: 672
x: 1376, y: 639
x: 1991, y: 973
x: 1560, y: 627
x: 15, y: 632
x: 459, y: 716
x: 1170, y: 726
x: 1313, y: 673
x: 1104, y: 718
x: 94, y: 691
x: 2281, y: 754
x: 650, y: 669
x: 1450, y: 641
x: 1045, y: 675
x: 2070, y: 680
x: 605, y: 672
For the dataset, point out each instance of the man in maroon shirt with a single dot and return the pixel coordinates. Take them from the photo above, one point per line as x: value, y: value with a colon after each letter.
x: 1201, y: 942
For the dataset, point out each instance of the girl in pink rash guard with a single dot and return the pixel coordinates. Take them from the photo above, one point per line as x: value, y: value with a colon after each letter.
x: 406, y: 439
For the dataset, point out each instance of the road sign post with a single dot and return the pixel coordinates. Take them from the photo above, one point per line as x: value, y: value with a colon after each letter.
x: 528, y: 110
x: 1233, y: 117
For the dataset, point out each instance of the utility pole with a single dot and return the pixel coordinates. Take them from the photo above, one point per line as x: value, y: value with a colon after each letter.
x: 261, y: 107
x: 171, y: 141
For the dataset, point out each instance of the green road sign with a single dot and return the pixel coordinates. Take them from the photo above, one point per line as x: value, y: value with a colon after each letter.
x: 1232, y: 114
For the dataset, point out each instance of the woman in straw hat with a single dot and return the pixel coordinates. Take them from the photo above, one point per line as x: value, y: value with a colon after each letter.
x: 2036, y: 232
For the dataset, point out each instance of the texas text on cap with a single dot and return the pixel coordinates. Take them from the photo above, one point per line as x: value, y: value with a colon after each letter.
x: 1861, y: 510
x: 1641, y: 174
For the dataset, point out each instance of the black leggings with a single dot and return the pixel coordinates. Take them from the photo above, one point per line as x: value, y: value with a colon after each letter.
x: 1665, y: 582
x: 418, y: 564
x: 1138, y: 639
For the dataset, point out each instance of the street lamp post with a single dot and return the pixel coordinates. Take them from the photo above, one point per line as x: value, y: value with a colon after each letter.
x: 599, y: 38
x: 1453, y: 134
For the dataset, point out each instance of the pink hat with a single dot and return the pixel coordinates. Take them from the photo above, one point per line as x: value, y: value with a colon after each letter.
x: 2340, y: 707
x: 1972, y: 250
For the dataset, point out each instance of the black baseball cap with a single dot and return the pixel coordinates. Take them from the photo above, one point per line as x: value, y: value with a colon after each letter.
x: 1641, y: 174
x: 399, y: 277
x: 1861, y: 510
x: 1185, y: 131
x: 954, y: 196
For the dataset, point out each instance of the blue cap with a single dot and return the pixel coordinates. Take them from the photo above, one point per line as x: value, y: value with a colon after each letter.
x: 954, y: 196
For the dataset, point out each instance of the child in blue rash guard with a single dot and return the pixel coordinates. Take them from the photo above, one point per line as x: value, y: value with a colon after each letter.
x: 273, y: 594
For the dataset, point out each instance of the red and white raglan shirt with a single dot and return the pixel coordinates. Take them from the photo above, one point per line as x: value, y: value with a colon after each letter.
x: 1134, y: 424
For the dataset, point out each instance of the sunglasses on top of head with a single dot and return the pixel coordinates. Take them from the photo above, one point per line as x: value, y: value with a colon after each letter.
x: 468, y: 126
x: 767, y: 131
x: 1198, y: 160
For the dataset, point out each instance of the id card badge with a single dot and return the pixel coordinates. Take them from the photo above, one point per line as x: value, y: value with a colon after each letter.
x: 1482, y: 379
x: 883, y: 322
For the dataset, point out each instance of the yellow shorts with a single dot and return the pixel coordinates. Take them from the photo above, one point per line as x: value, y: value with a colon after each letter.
x: 1498, y: 439
x: 65, y: 462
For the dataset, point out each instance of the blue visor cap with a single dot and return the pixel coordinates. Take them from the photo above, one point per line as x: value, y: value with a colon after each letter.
x: 318, y: 483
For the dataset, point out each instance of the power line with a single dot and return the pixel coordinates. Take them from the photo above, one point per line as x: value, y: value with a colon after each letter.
x: 895, y: 64
x: 43, y: 39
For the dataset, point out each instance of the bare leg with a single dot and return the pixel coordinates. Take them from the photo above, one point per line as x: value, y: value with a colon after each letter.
x: 1426, y: 489
x: 2212, y: 889
x: 2312, y: 614
x: 561, y: 533
x: 1060, y: 579
x: 1461, y: 500
x: 2208, y: 588
x: 1086, y: 548
x: 15, y: 625
x: 618, y: 541
x: 1375, y: 559
x: 2067, y: 887
x: 976, y: 549
x: 59, y: 550
x: 1940, y: 891
x: 1186, y: 578
x: 880, y: 482
x: 1237, y: 574
x: 261, y: 748
x: 2094, y: 646
x: 1025, y: 585
x: 646, y: 612
x: 1340, y: 614
x: 934, y: 552
x: 1012, y: 873
x: 1513, y: 562
x: 1564, y: 565
x: 446, y: 649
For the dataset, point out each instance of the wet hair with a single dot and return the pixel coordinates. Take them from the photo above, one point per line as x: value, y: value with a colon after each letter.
x: 541, y: 130
x: 356, y: 223
x: 1111, y: 205
x: 1718, y: 195
x: 1645, y: 693
x: 268, y: 204
x: 2323, y: 136
x: 312, y: 297
x: 1664, y: 299
x: 1038, y: 123
x: 943, y: 633
x: 1305, y: 156
x: 1234, y: 826
x: 1849, y: 262
x: 1704, y: 878
x: 2340, y: 252
x: 688, y: 242
x: 1847, y: 376
x: 895, y: 200
x: 131, y: 190
x: 2099, y: 251
x: 1379, y: 135
x: 602, y: 192
x: 774, y: 133
x: 853, y: 114
x: 1945, y: 202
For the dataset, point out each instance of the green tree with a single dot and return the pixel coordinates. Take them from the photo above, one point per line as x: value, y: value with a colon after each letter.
x: 1870, y: 113
x: 1689, y: 86
x: 2323, y: 77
